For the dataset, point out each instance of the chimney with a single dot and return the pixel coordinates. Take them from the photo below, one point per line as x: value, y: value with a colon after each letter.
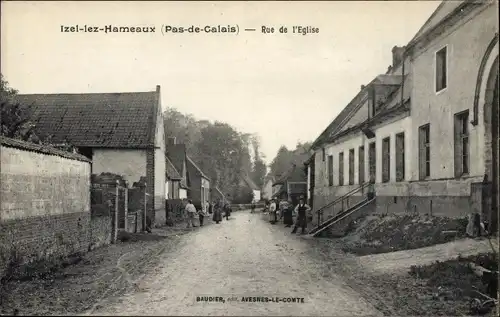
x: 363, y: 87
x: 389, y: 69
x: 171, y: 141
x: 157, y: 88
x: 397, y: 55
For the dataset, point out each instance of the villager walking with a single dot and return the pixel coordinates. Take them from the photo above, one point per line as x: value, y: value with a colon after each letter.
x: 217, y: 217
x: 301, y: 210
x: 190, y: 213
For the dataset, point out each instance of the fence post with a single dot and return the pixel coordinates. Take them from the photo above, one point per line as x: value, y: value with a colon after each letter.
x: 144, y: 223
x: 117, y: 199
x: 126, y: 206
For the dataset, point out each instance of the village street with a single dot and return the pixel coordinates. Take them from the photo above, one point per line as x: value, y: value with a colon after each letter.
x: 242, y: 257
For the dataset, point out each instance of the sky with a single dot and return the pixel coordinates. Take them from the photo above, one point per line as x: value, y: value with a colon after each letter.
x: 285, y: 87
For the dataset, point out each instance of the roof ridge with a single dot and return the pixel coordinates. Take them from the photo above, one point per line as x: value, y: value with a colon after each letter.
x: 87, y: 93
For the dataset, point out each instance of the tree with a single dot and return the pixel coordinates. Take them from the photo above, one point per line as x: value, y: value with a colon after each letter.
x: 285, y: 158
x: 221, y: 152
x: 259, y: 170
x: 15, y: 118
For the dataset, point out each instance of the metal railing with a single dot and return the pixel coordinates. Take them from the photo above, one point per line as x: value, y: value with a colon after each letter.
x: 343, y: 201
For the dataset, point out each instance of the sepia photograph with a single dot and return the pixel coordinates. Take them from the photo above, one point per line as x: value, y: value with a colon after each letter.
x: 249, y: 158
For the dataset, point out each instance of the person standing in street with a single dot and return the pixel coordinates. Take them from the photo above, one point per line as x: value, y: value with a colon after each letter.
x: 288, y: 214
x: 272, y: 212
x: 227, y: 210
x: 190, y: 213
x: 301, y: 210
x: 217, y: 212
x: 201, y: 216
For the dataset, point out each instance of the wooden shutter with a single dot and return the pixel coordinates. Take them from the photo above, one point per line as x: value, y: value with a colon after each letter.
x: 457, y: 146
x: 421, y: 152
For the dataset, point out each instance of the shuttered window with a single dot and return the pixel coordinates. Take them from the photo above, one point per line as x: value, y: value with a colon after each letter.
x: 400, y: 157
x: 361, y: 165
x: 341, y: 169
x: 386, y: 160
x: 372, y: 161
x: 351, y: 167
x: 424, y: 151
x: 330, y: 170
x: 461, y: 139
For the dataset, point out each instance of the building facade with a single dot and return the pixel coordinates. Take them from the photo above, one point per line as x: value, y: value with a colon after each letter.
x: 430, y: 142
x: 122, y: 133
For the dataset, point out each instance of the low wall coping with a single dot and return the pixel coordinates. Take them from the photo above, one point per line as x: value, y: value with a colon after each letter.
x: 43, y: 149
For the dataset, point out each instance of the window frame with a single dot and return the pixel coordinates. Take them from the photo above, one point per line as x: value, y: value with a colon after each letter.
x: 446, y: 67
x: 424, y: 151
x: 400, y: 157
x: 461, y: 124
x: 352, y: 155
x: 341, y: 169
x: 330, y: 170
x: 361, y: 164
x: 372, y: 176
x: 386, y: 160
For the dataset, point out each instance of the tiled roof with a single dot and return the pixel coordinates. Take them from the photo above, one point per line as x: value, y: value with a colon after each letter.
x: 337, y: 123
x: 197, y: 169
x: 118, y: 120
x: 172, y: 172
x: 177, y: 155
x: 18, y: 144
x: 294, y: 174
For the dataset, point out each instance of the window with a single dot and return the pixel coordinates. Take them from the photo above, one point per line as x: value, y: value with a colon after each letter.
x: 330, y: 170
x: 361, y: 165
x: 372, y: 161
x: 351, y: 167
x: 424, y: 151
x: 462, y: 143
x: 400, y: 157
x: 386, y: 160
x: 441, y: 69
x: 324, y: 154
x: 341, y: 169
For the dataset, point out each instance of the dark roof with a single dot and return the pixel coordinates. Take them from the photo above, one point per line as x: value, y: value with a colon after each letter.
x: 294, y: 174
x: 176, y: 154
x: 172, y: 172
x: 18, y: 144
x: 197, y: 169
x: 337, y: 123
x: 116, y: 120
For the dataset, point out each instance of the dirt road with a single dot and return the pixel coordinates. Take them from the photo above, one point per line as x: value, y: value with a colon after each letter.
x: 242, y: 257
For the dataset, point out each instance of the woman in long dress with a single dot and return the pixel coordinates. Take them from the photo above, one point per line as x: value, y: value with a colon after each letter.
x: 217, y: 217
x: 288, y: 214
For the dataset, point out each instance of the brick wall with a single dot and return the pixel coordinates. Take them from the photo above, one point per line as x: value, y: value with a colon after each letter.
x: 45, y: 206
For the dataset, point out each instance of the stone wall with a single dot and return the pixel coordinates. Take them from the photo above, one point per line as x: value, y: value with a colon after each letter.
x: 45, y: 205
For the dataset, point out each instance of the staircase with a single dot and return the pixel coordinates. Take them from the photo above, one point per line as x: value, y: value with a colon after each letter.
x: 341, y: 208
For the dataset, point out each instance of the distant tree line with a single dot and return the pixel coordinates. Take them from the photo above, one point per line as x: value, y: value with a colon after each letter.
x: 222, y: 152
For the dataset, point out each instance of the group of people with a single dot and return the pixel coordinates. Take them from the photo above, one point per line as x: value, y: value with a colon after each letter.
x: 217, y: 209
x: 284, y: 210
